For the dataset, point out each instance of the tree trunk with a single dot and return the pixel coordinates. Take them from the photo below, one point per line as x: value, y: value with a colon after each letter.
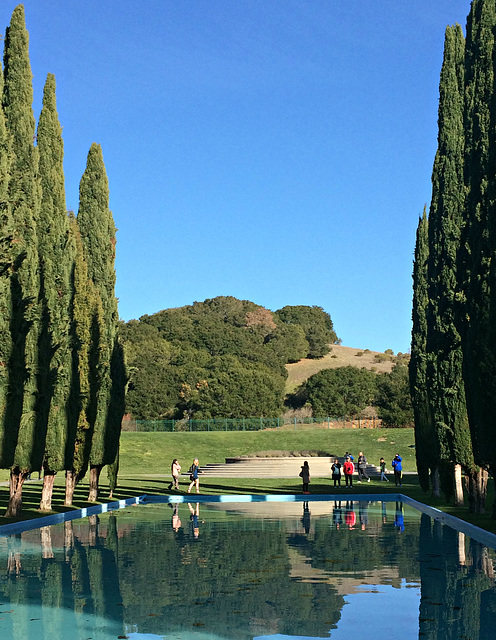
x: 47, y: 491
x: 46, y: 542
x: 436, y: 490
x: 70, y: 485
x: 68, y: 539
x: 93, y: 522
x: 478, y: 490
x: 94, y: 478
x: 16, y: 482
x: 462, y: 556
x: 458, y: 485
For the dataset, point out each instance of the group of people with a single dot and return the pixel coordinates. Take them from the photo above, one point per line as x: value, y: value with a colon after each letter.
x: 193, y: 471
x: 347, y: 469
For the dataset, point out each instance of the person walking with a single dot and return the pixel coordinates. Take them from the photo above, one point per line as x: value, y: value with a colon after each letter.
x: 336, y: 472
x: 348, y: 469
x: 305, y: 476
x: 194, y: 470
x: 382, y: 464
x: 362, y: 467
x: 175, y: 471
x: 398, y: 469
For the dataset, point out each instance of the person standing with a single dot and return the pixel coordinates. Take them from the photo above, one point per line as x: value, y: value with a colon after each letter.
x: 336, y: 472
x: 398, y: 469
x: 348, y: 469
x: 175, y: 471
x: 382, y: 464
x: 362, y: 467
x: 194, y: 470
x: 305, y: 476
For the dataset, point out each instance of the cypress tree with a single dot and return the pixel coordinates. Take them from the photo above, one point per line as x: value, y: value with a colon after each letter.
x: 444, y: 352
x: 57, y: 252
x: 6, y: 265
x: 426, y: 445
x: 86, y: 341
x: 98, y: 235
x: 20, y: 418
x: 477, y: 262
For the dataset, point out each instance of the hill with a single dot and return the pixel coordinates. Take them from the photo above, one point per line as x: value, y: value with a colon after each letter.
x: 340, y: 356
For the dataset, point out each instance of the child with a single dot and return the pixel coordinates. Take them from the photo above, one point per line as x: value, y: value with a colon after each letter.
x: 305, y: 476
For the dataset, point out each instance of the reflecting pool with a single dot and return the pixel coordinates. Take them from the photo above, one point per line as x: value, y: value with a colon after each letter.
x: 278, y: 570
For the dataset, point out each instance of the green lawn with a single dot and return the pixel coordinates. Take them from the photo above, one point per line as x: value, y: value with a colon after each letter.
x: 143, y: 454
x: 153, y: 452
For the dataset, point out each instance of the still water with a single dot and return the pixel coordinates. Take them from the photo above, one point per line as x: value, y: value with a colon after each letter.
x: 248, y: 570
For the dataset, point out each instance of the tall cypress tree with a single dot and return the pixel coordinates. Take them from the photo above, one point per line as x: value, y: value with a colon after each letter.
x: 57, y: 253
x: 477, y: 263
x: 86, y: 333
x: 426, y: 445
x: 98, y: 235
x: 6, y: 255
x: 24, y: 193
x: 444, y: 352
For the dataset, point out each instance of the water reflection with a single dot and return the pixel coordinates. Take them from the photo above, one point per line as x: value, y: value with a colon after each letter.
x: 244, y: 571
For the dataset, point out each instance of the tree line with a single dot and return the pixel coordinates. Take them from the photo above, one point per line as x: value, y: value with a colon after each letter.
x: 453, y: 363
x: 221, y: 358
x: 349, y: 391
x: 62, y: 375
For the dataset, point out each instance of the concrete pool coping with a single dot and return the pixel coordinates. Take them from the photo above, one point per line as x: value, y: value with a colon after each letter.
x: 476, y: 533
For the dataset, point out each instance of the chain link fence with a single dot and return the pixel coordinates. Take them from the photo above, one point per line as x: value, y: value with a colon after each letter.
x: 250, y: 424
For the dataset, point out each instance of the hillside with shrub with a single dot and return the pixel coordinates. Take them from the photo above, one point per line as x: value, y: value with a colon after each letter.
x: 219, y: 358
x: 230, y: 358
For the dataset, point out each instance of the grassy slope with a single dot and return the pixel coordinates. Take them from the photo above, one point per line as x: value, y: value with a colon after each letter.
x: 340, y: 356
x: 153, y: 452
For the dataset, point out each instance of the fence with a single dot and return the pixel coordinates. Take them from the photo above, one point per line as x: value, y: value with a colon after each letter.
x: 250, y: 424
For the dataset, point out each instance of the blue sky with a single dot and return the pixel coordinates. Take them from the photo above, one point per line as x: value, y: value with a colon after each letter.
x: 278, y: 151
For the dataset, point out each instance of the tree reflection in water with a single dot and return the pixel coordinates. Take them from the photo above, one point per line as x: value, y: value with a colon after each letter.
x: 249, y: 573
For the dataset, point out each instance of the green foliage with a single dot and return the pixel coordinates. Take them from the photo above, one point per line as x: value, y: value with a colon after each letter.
x: 427, y: 450
x: 476, y: 265
x: 6, y: 266
x: 393, y: 399
x: 344, y: 391
x: 220, y: 358
x: 97, y: 230
x: 57, y: 251
x: 23, y: 449
x: 317, y: 325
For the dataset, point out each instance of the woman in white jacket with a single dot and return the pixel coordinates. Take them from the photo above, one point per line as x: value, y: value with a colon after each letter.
x: 175, y: 471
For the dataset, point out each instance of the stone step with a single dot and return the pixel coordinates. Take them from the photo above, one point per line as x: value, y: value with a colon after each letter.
x: 320, y: 467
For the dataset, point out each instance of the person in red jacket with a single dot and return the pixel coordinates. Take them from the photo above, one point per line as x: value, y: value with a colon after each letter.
x: 348, y: 469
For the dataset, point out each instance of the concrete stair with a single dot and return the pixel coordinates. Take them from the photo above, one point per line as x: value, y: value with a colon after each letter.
x: 320, y: 467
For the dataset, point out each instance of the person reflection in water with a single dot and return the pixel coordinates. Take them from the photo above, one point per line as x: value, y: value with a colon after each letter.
x: 399, y: 521
x: 350, y: 516
x: 363, y: 514
x: 337, y: 515
x: 194, y: 520
x: 176, y: 520
x: 306, y: 518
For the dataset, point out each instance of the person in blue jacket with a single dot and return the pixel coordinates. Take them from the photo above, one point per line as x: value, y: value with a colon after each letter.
x: 398, y: 469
